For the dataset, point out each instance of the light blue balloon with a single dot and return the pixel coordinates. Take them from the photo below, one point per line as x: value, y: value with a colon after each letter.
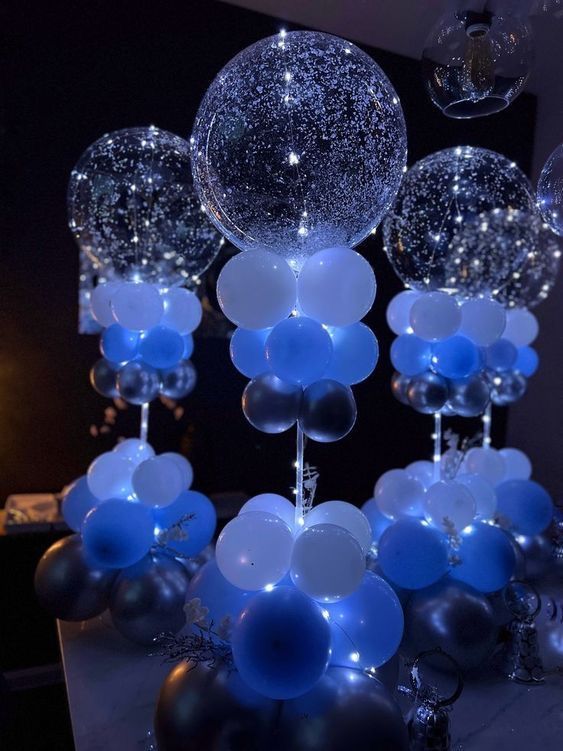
x: 248, y: 351
x: 221, y: 598
x: 188, y: 346
x: 199, y: 530
x: 527, y: 361
x: 412, y: 554
x: 501, y: 355
x: 410, y: 354
x: 378, y: 521
x: 526, y: 505
x: 399, y: 310
x: 299, y: 350
x: 119, y: 345
x: 355, y: 354
x: 118, y: 533
x: 456, y: 357
x: 162, y: 347
x: 281, y: 643
x: 367, y: 626
x: 137, y: 306
x: 487, y: 558
x: 77, y: 502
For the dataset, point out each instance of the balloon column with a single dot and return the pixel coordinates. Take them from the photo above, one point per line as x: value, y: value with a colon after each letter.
x: 132, y: 208
x: 298, y: 150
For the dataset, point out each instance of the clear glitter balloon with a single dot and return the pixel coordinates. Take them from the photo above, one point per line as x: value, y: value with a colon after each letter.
x: 550, y: 191
x: 475, y: 64
x: 440, y: 233
x: 132, y: 208
x: 531, y: 283
x: 298, y: 145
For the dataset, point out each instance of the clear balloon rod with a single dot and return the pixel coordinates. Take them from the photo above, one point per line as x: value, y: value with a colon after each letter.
x: 487, y: 425
x: 144, y: 422
x: 437, y: 436
x: 299, y: 513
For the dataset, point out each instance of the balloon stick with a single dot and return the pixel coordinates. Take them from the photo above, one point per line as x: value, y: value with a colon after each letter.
x: 144, y: 422
x: 299, y: 515
x: 487, y: 424
x: 437, y: 436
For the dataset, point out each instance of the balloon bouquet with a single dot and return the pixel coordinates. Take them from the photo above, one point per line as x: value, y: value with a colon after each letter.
x: 465, y: 238
x: 133, y: 210
x: 298, y: 151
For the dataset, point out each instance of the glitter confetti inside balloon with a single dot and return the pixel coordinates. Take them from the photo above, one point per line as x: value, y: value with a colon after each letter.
x: 298, y: 145
x: 436, y: 235
x: 132, y: 207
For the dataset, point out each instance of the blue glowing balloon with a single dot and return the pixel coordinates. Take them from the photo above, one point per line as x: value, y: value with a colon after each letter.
x: 412, y: 554
x: 179, y: 381
x: 378, y: 521
x: 188, y: 346
x: 119, y: 345
x: 487, y: 558
x: 281, y: 643
x: 367, y: 626
x: 248, y: 353
x: 118, y: 533
x: 527, y: 361
x: 355, y: 353
x: 298, y: 350
x: 162, y: 347
x: 410, y: 355
x: 138, y: 383
x: 198, y: 530
x: 501, y: 355
x: 221, y: 598
x: 526, y: 505
x: 456, y: 357
x: 77, y: 502
x: 103, y: 378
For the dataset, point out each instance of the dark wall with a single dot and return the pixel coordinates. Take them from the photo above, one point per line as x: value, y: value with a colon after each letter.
x: 76, y: 72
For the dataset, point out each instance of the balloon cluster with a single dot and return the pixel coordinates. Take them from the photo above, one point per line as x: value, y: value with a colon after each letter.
x: 297, y: 595
x: 146, y: 340
x: 134, y: 514
x: 300, y: 339
x: 456, y: 517
x: 455, y: 357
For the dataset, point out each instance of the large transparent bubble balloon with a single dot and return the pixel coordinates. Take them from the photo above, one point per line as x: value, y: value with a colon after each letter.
x: 550, y: 191
x: 531, y: 283
x: 298, y: 145
x: 456, y: 220
x: 133, y: 209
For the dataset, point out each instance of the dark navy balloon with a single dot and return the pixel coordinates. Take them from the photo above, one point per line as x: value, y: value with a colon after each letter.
x: 410, y: 354
x: 412, y: 554
x: 281, y: 643
x: 526, y: 505
x: 328, y: 412
x: 487, y: 558
x: 427, y: 392
x: 77, y: 502
x: 270, y: 404
x: 161, y: 347
x: 469, y: 396
x: 118, y: 533
x: 138, y: 383
x: 103, y: 377
x: 179, y: 381
x: 399, y: 387
x: 118, y: 344
x: 507, y: 388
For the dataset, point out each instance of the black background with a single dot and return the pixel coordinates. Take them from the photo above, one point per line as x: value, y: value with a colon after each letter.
x: 76, y: 71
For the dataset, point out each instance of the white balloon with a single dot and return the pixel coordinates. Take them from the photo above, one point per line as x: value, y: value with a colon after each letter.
x: 517, y: 464
x: 183, y: 465
x: 521, y: 327
x: 336, y: 286
x: 483, y: 494
x: 158, y: 481
x: 328, y: 563
x: 135, y: 450
x: 254, y: 550
x: 182, y: 310
x: 137, y: 306
x: 435, y: 316
x: 449, y: 506
x: 398, y: 495
x: 482, y: 320
x: 256, y: 289
x: 274, y: 504
x: 399, y: 310
x: 487, y: 462
x: 109, y: 476
x: 345, y: 515
x: 100, y: 303
x: 423, y: 471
